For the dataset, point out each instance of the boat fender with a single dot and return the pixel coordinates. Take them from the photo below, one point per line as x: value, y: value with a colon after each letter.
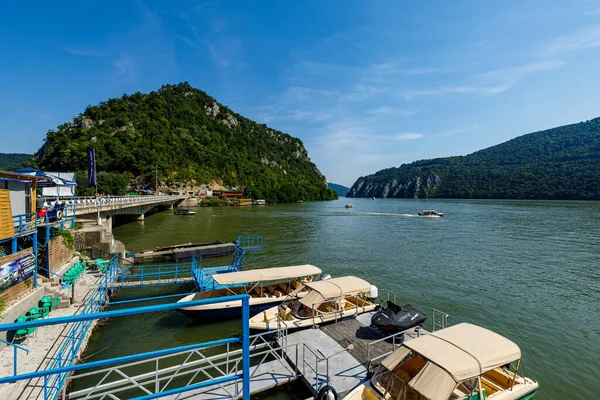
x: 374, y: 292
x: 327, y: 393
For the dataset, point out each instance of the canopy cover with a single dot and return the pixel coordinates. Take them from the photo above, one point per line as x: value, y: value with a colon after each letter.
x: 53, y: 178
x: 454, y: 354
x: 266, y: 274
x: 334, y: 288
x: 466, y: 350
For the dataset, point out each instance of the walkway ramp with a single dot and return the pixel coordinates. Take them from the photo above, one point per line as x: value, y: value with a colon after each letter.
x: 264, y: 377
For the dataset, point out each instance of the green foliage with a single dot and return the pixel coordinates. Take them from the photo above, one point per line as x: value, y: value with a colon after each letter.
x: 2, y: 306
x: 12, y: 160
x: 339, y: 189
x: 191, y: 138
x: 68, y: 238
x: 214, y: 201
x: 559, y: 163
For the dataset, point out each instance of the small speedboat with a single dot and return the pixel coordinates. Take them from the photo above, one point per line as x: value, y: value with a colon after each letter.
x: 184, y: 211
x: 373, y: 198
x: 431, y: 214
x: 321, y: 302
x: 349, y: 206
x: 462, y: 362
x: 394, y: 318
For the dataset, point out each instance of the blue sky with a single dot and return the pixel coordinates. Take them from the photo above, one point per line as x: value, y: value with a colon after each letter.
x: 365, y: 84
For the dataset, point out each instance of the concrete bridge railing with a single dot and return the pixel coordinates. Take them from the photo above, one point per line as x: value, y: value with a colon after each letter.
x: 116, y: 204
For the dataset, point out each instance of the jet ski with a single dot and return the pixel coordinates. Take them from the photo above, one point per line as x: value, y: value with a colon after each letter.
x: 394, y: 318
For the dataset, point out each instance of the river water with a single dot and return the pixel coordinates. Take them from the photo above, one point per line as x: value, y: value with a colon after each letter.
x: 525, y: 269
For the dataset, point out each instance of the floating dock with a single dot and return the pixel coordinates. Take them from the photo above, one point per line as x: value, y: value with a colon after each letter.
x: 340, y: 354
x: 185, y: 252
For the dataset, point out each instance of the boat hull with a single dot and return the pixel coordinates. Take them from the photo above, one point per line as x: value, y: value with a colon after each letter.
x: 224, y: 313
x: 301, y: 323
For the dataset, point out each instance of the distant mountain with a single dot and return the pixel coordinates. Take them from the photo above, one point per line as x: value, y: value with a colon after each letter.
x: 10, y: 160
x: 558, y: 163
x: 190, y: 139
x: 340, y: 190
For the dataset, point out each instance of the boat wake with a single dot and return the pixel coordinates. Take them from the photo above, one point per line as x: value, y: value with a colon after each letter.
x: 384, y: 214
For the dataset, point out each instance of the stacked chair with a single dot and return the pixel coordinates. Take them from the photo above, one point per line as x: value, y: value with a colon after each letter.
x: 47, y: 303
x: 101, y: 264
x: 73, y: 273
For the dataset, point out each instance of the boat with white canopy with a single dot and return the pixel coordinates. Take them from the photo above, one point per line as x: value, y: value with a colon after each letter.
x: 266, y: 287
x: 463, y: 362
x: 325, y: 301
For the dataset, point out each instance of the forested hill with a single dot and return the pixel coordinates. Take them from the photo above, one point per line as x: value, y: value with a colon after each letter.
x: 339, y: 189
x: 10, y: 160
x: 190, y: 138
x: 559, y: 163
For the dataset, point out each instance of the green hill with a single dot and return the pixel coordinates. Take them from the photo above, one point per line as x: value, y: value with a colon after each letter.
x: 10, y: 160
x: 559, y: 163
x: 339, y: 189
x: 191, y: 139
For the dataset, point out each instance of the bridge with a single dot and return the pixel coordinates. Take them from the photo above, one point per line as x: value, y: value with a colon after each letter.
x: 116, y: 205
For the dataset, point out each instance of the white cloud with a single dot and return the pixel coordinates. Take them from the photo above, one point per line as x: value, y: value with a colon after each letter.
x: 465, y: 89
x: 385, y: 110
x: 126, y: 66
x: 407, y: 136
x: 583, y: 39
x: 84, y: 51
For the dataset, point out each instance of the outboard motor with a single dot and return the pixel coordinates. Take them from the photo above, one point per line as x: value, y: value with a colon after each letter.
x: 374, y: 292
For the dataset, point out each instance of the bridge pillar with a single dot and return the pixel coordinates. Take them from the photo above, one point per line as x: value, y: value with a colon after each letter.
x: 141, y: 217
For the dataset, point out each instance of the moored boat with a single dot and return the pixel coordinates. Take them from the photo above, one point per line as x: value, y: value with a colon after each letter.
x: 184, y: 211
x: 349, y: 206
x: 185, y: 251
x: 431, y: 214
x: 463, y: 362
x: 325, y: 301
x: 266, y: 287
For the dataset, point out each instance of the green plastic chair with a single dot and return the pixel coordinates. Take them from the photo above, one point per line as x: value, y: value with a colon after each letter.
x: 50, y: 302
x: 21, y: 333
x: 38, y: 312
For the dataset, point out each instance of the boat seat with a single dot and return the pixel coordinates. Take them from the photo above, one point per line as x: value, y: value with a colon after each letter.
x: 277, y: 293
x: 284, y: 287
x: 295, y: 284
x: 284, y: 312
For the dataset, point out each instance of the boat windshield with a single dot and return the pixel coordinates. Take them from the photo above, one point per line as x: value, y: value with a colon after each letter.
x: 394, y: 384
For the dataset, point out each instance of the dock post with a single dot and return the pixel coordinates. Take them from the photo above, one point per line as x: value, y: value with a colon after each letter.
x: 246, y: 347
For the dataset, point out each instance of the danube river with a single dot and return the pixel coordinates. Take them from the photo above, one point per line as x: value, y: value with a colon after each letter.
x: 526, y: 269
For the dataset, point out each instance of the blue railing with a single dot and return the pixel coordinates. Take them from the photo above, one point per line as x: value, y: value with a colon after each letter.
x: 159, y: 274
x: 15, y: 360
x: 54, y: 376
x: 24, y: 223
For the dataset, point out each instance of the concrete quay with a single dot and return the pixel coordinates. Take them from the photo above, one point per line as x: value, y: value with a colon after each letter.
x: 45, y: 342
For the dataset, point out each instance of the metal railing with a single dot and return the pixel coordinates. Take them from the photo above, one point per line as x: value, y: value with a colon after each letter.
x: 396, y: 341
x: 15, y: 359
x: 338, y: 313
x: 24, y: 223
x: 440, y: 322
x: 55, y: 375
x: 92, y: 201
x: 321, y: 378
x: 157, y: 274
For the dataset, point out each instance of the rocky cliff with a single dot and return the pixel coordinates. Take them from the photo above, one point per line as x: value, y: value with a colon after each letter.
x: 559, y: 163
